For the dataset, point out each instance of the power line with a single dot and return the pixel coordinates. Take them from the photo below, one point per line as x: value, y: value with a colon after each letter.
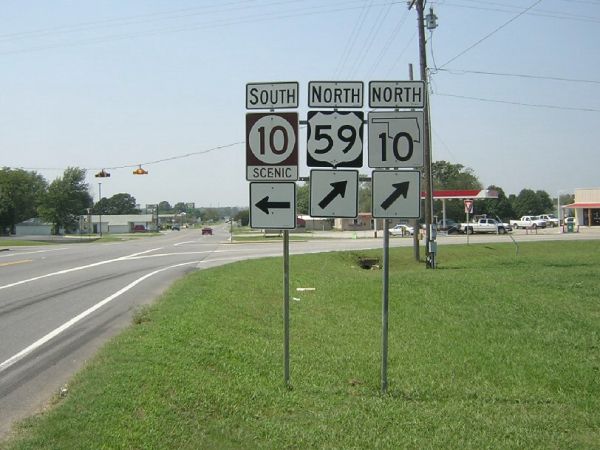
x: 492, y: 33
x: 517, y: 75
x: 507, y: 102
x: 303, y: 11
x: 503, y: 8
x: 147, y: 163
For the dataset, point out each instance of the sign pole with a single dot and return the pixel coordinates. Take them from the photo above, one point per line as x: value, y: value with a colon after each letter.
x: 286, y: 307
x: 384, y: 307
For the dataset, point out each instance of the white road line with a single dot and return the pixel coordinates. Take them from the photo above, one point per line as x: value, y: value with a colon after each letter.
x: 8, y: 255
x: 75, y: 269
x: 37, y: 344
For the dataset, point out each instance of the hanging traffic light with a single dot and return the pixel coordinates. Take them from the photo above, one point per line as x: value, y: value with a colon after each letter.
x: 102, y: 174
x: 140, y: 171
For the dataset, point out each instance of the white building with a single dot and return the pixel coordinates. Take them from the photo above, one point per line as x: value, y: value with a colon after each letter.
x: 586, y: 207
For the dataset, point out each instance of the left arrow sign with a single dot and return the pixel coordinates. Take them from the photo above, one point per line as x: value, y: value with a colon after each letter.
x: 264, y: 205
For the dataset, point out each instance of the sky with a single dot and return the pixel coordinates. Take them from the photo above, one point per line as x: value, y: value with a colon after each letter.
x: 112, y: 84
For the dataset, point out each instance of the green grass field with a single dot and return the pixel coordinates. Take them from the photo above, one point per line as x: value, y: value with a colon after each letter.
x: 489, y: 351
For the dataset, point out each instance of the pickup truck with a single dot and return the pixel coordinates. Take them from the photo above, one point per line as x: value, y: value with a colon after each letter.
x: 528, y: 222
x: 483, y: 226
x: 551, y: 219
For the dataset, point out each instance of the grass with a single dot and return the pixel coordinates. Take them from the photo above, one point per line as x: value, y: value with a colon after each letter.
x: 488, y: 351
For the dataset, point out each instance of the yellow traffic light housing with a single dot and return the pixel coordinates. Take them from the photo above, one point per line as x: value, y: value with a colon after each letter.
x: 140, y: 171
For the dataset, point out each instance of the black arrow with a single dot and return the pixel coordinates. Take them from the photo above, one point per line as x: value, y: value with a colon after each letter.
x: 400, y: 189
x: 339, y: 188
x: 265, y: 204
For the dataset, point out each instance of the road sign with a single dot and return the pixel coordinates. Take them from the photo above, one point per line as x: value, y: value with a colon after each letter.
x: 335, y: 94
x: 395, y: 139
x: 273, y: 205
x: 468, y: 206
x: 396, y: 194
x: 335, y: 139
x: 396, y: 94
x: 283, y: 95
x: 271, y: 146
x: 334, y: 193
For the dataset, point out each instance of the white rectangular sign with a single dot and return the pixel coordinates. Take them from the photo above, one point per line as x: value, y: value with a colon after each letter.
x: 395, y: 139
x: 396, y: 194
x: 273, y: 205
x: 278, y: 95
x: 335, y: 94
x: 334, y: 193
x: 396, y: 94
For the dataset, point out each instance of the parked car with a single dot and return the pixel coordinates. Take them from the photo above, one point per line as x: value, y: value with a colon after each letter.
x: 207, y: 231
x: 401, y: 230
x: 449, y: 226
x: 175, y: 227
x: 569, y: 220
x: 551, y: 219
x: 139, y: 229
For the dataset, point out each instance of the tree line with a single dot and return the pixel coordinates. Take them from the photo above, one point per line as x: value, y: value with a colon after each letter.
x: 26, y: 194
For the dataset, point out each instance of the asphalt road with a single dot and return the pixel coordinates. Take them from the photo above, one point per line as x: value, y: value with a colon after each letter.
x: 60, y: 303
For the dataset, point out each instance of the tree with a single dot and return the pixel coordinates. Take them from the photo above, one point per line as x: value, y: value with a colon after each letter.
x: 164, y: 207
x: 117, y: 204
x: 66, y: 199
x: 180, y: 207
x: 530, y: 203
x: 500, y: 207
x: 303, y: 198
x: 243, y: 217
x: 20, y: 195
x: 452, y: 176
x: 364, y: 197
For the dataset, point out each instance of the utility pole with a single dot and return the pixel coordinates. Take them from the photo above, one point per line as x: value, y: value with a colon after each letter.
x: 430, y: 244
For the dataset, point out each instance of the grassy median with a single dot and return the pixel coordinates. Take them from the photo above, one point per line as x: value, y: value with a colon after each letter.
x: 489, y: 351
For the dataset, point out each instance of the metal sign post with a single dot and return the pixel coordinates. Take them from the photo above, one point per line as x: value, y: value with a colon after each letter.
x: 286, y: 307
x: 384, y: 305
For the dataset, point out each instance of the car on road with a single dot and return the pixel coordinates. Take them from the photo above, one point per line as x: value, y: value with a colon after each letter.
x: 207, y: 231
x: 401, y: 230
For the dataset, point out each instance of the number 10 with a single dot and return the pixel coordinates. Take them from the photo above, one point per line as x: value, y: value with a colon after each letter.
x: 395, y: 145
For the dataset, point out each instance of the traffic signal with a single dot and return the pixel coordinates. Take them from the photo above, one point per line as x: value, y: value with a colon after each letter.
x: 140, y: 171
x: 102, y: 174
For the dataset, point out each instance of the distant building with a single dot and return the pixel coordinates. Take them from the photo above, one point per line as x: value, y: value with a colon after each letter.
x: 586, y: 207
x: 119, y: 223
x: 34, y: 227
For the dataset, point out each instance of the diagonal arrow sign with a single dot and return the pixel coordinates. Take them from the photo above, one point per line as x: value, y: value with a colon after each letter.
x: 400, y: 189
x: 339, y: 188
x: 264, y: 205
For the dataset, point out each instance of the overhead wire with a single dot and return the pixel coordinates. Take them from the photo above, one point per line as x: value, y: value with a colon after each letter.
x: 353, y: 37
x: 487, y: 36
x: 209, y: 24
x: 518, y: 75
x: 368, y: 41
x: 533, y: 105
